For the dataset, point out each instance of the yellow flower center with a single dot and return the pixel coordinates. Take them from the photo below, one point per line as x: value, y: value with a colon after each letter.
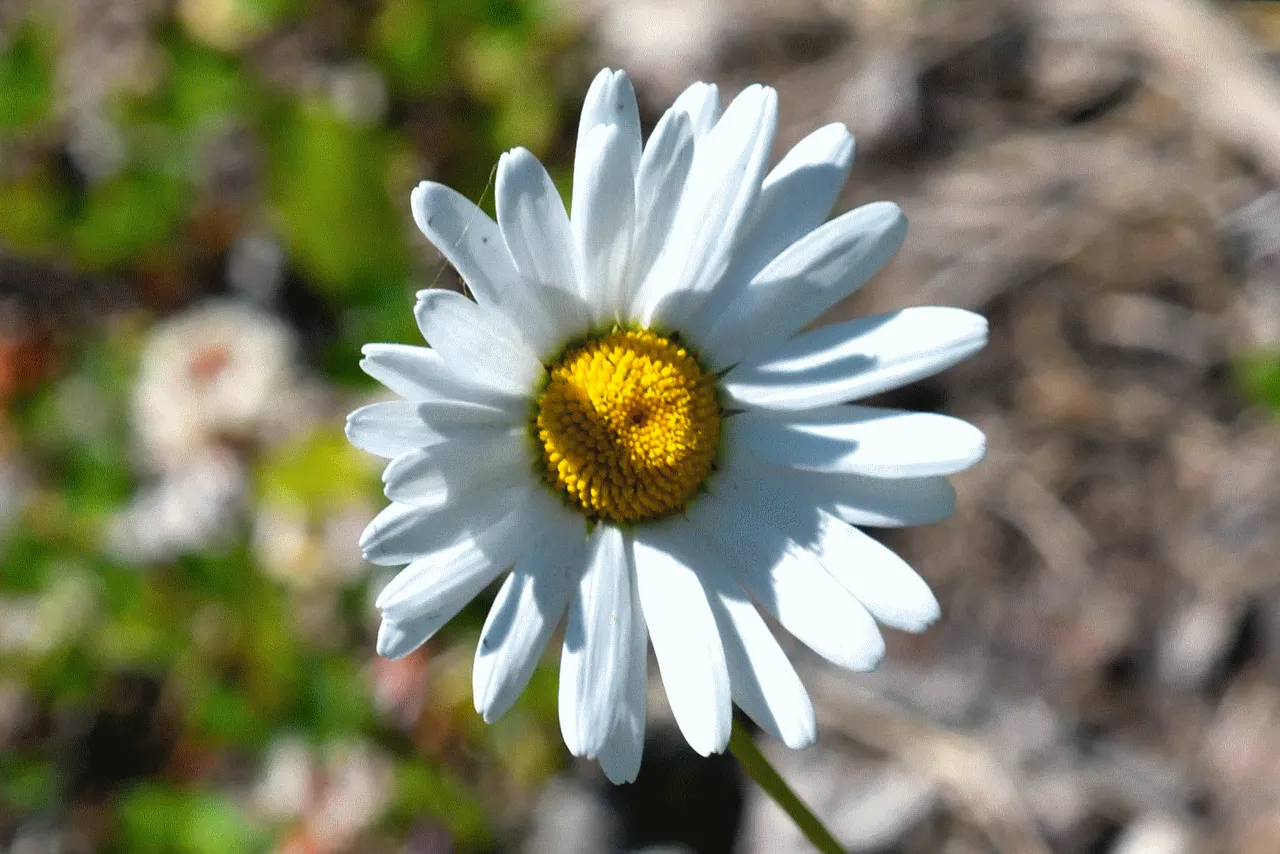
x: 627, y: 426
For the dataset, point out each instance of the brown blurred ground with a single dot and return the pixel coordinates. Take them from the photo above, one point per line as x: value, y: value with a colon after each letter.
x: 1092, y: 177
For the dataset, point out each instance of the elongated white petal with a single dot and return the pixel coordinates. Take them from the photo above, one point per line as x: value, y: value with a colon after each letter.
x: 701, y: 103
x: 622, y: 753
x: 786, y: 579
x: 402, y: 533
x: 399, y: 637
x: 396, y: 640
x: 764, y: 683
x: 857, y: 358
x: 420, y: 374
x: 684, y: 633
x: 883, y: 582
x: 815, y: 273
x: 469, y: 239
x: 539, y: 237
x: 473, y: 244
x: 863, y: 440
x: 389, y: 429
x: 663, y: 170
x: 798, y: 194
x: 479, y: 459
x: 604, y: 219
x: 875, y: 502
x: 446, y: 414
x: 610, y: 101
x: 597, y: 635
x: 478, y: 344
x: 795, y: 199
x: 525, y: 613
x: 449, y: 578
x: 728, y: 166
x: 885, y: 585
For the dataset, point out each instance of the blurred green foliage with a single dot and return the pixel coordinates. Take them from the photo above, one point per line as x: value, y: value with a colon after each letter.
x: 26, y: 77
x: 236, y: 666
x: 1258, y: 377
x: 329, y: 187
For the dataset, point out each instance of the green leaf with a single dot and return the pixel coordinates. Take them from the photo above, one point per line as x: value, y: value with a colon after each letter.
x: 321, y: 473
x: 406, y: 38
x: 26, y: 77
x: 27, y: 785
x: 159, y: 819
x: 422, y: 789
x: 337, y: 698
x: 1258, y: 377
x: 329, y: 189
x: 205, y: 86
x: 127, y: 216
x: 213, y: 824
x: 36, y: 210
x: 226, y: 716
x: 149, y: 819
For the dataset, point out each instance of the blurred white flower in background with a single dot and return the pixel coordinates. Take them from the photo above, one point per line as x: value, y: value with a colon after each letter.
x: 215, y: 383
x: 198, y: 505
x: 631, y: 417
x: 222, y: 372
x: 334, y: 794
x: 36, y: 625
x: 294, y: 548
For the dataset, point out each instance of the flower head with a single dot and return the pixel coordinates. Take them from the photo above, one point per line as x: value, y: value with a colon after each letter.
x: 631, y: 417
x: 220, y: 371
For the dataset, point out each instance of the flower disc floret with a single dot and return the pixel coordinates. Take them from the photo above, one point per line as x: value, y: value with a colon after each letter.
x: 627, y: 426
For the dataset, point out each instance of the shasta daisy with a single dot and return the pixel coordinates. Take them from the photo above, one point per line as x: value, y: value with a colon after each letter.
x: 633, y: 422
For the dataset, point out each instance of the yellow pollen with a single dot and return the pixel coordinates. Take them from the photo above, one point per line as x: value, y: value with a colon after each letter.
x: 627, y: 425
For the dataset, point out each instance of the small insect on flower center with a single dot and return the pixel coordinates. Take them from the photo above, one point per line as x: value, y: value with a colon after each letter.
x: 627, y: 426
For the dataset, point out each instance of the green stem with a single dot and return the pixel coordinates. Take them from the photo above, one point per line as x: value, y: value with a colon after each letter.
x: 768, y: 779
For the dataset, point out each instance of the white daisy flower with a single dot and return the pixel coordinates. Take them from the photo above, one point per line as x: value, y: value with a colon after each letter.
x: 631, y: 417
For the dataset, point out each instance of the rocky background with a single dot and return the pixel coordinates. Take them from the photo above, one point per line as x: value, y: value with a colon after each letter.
x: 203, y: 214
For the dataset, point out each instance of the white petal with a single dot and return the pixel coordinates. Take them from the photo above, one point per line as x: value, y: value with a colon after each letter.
x: 443, y: 581
x: 786, y: 579
x: 597, y: 635
x: 402, y: 533
x: 885, y: 585
x: 812, y: 275
x: 701, y: 103
x: 864, y: 440
x: 764, y: 683
x: 795, y: 199
x: 858, y: 358
x: 799, y: 193
x: 468, y: 238
x: 420, y: 374
x: 396, y: 640
x: 446, y: 414
x: 539, y: 237
x: 610, y: 100
x: 482, y: 459
x: 883, y: 582
x: 876, y: 502
x: 604, y: 219
x: 668, y: 156
x: 472, y: 243
x: 624, y: 750
x: 723, y: 185
x: 389, y: 429
x: 478, y: 344
x: 684, y: 634
x: 524, y: 614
